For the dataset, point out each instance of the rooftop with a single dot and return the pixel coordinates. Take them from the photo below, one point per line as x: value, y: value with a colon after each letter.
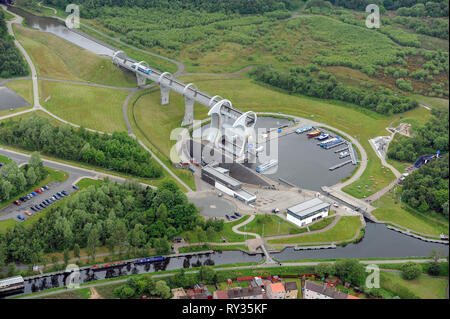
x: 308, y: 208
x: 290, y: 285
x: 244, y: 292
x: 222, y: 294
x: 324, y: 290
x: 277, y: 287
x: 218, y: 175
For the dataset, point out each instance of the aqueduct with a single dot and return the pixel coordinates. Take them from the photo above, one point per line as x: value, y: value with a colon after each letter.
x: 231, y: 129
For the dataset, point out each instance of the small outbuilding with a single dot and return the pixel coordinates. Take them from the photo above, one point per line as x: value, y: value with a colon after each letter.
x: 308, y: 212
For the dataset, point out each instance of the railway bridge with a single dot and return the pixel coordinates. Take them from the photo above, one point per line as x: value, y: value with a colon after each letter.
x: 231, y: 129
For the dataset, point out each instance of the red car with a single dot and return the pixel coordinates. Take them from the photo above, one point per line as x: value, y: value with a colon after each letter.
x: 38, y: 191
x: 16, y: 202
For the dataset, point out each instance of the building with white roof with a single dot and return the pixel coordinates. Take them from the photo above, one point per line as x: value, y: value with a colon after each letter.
x: 308, y: 212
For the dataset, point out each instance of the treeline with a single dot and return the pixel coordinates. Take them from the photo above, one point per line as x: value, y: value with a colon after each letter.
x: 126, y: 217
x: 416, y: 8
x: 15, y: 180
x: 11, y: 61
x: 325, y: 86
x: 427, y: 188
x: 435, y: 28
x: 118, y: 151
x: 427, y: 139
x: 92, y: 8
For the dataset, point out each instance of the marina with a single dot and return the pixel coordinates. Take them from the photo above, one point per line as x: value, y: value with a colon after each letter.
x: 332, y: 168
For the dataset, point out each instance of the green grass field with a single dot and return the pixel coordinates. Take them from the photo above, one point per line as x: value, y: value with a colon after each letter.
x: 346, y: 228
x: 24, y: 88
x: 86, y: 182
x: 91, y: 107
x: 424, y: 287
x: 59, y: 59
x: 273, y: 226
x: 389, y: 208
x: 83, y: 293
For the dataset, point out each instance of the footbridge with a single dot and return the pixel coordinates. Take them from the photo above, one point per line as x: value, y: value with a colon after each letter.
x: 231, y: 129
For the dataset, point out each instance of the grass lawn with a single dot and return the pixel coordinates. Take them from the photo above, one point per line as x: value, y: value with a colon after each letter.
x: 389, y: 208
x: 59, y: 59
x: 83, y: 293
x: 91, y: 107
x: 107, y: 291
x: 271, y: 224
x: 424, y: 287
x: 227, y: 233
x: 346, y: 228
x: 189, y: 249
x: 4, y: 159
x: 434, y: 102
x: 155, y: 134
x: 322, y: 223
x: 24, y: 88
x: 86, y: 182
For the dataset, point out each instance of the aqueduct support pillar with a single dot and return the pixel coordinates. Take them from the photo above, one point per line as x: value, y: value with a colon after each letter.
x: 141, y: 80
x: 189, y: 111
x: 165, y: 94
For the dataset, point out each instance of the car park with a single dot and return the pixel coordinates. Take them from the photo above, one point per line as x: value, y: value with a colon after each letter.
x: 237, y: 214
x: 234, y: 217
x: 42, y: 189
x: 65, y: 193
x: 41, y: 206
x: 34, y: 193
x: 60, y: 194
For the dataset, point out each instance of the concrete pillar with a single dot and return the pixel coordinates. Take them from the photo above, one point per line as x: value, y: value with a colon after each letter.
x: 141, y: 80
x: 189, y: 111
x: 165, y: 94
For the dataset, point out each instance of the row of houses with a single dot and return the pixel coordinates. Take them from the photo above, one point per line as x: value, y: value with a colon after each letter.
x: 257, y: 289
x: 264, y: 289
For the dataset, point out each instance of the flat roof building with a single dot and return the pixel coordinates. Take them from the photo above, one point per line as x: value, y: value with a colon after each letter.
x: 308, y: 212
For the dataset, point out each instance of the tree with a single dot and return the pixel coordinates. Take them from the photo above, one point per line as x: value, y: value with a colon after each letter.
x: 11, y: 269
x: 31, y: 176
x: 350, y: 270
x: 411, y: 270
x: 66, y: 256
x: 124, y: 292
x: 161, y: 245
x: 162, y: 290
x: 324, y: 269
x: 76, y: 250
x: 207, y: 275
x: 93, y: 242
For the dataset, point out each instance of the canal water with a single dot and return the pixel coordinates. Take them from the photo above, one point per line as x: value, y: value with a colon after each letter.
x: 378, y: 242
x: 59, y: 29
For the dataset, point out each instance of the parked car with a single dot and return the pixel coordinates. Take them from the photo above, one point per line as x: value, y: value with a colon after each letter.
x: 20, y: 217
x: 237, y: 214
x: 57, y: 196
x: 28, y: 213
x: 38, y: 191
x: 34, y: 193
x: 28, y: 197
x: 234, y: 216
x: 65, y: 193
x: 16, y: 202
x: 228, y: 217
x: 1, y: 164
x: 37, y: 207
x: 75, y: 187
x: 335, y: 205
x: 60, y: 194
x: 41, y: 206
x: 54, y: 198
x: 42, y: 189
x: 275, y: 211
x: 220, y: 195
x: 46, y: 187
x: 34, y: 209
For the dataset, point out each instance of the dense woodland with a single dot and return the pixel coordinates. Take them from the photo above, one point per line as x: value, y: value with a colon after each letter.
x: 302, y: 80
x: 126, y: 217
x: 427, y: 188
x: 118, y: 151
x: 92, y: 7
x: 15, y: 180
x: 427, y: 139
x: 11, y: 61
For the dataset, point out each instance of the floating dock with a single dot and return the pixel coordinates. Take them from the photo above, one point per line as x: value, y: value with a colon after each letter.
x: 344, y: 156
x: 332, y: 246
x: 333, y: 145
x: 430, y: 240
x: 352, y: 153
x: 341, y: 150
x: 332, y: 168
